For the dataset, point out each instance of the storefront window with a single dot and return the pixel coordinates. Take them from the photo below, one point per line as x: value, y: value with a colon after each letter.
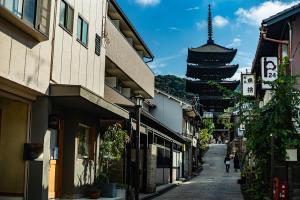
x: 83, y: 141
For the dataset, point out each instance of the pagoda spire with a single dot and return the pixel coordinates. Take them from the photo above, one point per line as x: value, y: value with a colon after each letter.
x: 210, y: 27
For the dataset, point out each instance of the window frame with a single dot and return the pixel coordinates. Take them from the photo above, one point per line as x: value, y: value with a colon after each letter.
x: 65, y: 26
x: 81, y: 31
x: 87, y: 142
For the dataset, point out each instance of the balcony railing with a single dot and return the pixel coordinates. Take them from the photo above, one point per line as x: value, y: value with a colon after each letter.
x: 122, y: 53
x: 114, y: 96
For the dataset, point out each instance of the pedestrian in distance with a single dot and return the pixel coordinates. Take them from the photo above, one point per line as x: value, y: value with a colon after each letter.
x: 227, y: 162
x: 236, y: 162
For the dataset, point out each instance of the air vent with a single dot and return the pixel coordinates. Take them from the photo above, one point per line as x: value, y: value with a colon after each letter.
x: 97, y: 45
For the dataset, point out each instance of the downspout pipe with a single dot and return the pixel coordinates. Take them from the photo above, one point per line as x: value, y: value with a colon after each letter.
x: 290, y: 44
x: 53, y: 42
x: 263, y: 32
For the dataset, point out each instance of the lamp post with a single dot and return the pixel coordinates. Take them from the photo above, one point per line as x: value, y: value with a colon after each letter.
x: 139, y: 102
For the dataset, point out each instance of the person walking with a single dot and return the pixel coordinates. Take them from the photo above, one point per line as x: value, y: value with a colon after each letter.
x: 227, y: 162
x: 236, y: 162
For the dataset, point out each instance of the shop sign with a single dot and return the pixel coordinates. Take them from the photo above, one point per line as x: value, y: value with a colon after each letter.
x: 248, y: 85
x: 291, y: 155
x: 194, y: 142
x: 269, y: 71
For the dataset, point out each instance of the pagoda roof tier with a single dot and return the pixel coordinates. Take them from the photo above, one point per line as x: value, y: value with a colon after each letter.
x: 208, y: 72
x: 203, y: 88
x: 211, y: 53
x: 216, y: 104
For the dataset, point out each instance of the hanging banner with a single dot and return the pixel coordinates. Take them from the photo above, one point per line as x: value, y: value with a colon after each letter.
x: 248, y: 85
x: 269, y: 70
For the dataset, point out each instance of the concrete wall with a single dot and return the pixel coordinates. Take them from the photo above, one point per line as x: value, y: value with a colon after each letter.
x: 76, y: 172
x: 114, y: 97
x: 128, y: 60
x: 38, y: 171
x: 73, y: 63
x: 13, y: 135
x: 168, y: 111
x: 151, y: 168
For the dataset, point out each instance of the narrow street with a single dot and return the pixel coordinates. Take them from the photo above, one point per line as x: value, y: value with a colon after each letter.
x: 212, y: 184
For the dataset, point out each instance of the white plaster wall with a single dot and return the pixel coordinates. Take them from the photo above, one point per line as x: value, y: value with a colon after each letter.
x: 168, y: 111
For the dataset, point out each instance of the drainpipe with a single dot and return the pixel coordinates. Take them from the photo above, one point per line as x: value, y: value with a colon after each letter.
x: 263, y: 32
x: 290, y: 45
x: 52, y: 42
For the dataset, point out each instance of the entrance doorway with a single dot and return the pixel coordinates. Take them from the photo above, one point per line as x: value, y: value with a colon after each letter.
x: 13, y: 136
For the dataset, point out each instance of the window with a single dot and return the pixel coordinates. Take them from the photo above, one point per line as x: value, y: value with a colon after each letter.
x: 82, y: 138
x: 66, y: 16
x: 25, y: 9
x: 15, y: 6
x: 82, y: 31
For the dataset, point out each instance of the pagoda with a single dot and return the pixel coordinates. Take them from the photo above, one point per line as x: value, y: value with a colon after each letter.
x: 210, y: 62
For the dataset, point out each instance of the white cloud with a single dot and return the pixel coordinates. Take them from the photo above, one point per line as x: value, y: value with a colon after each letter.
x: 147, y: 2
x: 161, y: 62
x: 202, y: 24
x: 256, y: 14
x: 193, y: 8
x: 173, y: 29
x: 237, y: 75
x: 220, y: 21
x: 236, y: 42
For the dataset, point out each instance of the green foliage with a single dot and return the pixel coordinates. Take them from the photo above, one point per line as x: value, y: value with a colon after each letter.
x: 205, y: 134
x: 273, y: 122
x: 209, y: 125
x: 173, y: 85
x: 111, y: 148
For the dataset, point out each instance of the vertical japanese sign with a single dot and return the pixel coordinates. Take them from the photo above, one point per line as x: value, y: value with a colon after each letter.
x: 248, y: 85
x: 269, y: 70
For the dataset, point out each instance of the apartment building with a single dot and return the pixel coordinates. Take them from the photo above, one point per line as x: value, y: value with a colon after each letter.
x: 52, y: 75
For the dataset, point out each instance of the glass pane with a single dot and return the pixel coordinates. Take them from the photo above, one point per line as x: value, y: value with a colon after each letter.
x: 62, y: 13
x: 84, y: 33
x: 82, y: 145
x: 29, y: 11
x: 70, y: 19
x: 79, y: 24
x: 15, y: 6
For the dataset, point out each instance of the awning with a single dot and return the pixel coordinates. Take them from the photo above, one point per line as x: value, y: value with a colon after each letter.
x: 78, y: 97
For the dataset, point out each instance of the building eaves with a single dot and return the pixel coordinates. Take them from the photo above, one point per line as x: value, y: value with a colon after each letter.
x: 282, y: 15
x: 128, y: 22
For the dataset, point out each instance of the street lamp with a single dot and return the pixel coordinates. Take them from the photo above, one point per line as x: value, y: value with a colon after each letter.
x: 139, y: 102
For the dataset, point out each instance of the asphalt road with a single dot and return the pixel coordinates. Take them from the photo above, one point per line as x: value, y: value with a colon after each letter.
x: 212, y: 184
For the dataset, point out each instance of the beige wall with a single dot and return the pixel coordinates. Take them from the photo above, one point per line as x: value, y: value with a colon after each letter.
x: 23, y: 59
x: 73, y: 63
x: 13, y: 135
x: 127, y: 59
x: 114, y: 97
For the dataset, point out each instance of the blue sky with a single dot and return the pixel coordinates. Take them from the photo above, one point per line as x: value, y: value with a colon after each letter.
x: 169, y: 27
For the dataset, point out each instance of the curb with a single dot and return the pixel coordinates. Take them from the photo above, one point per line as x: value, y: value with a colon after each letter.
x: 158, y: 193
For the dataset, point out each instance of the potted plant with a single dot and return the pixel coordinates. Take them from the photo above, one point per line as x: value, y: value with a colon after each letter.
x: 111, y: 150
x: 93, y: 191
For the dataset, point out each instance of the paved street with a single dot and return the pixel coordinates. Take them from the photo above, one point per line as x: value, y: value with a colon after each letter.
x: 212, y: 184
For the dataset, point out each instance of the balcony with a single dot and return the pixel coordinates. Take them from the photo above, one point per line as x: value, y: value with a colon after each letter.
x: 113, y: 96
x: 127, y: 60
